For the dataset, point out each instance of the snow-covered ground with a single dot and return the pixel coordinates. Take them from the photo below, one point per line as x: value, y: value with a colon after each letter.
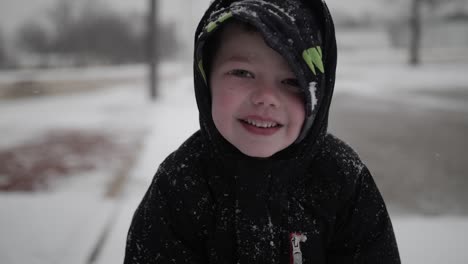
x: 65, y: 224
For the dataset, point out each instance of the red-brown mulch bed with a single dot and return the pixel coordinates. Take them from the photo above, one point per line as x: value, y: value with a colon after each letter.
x: 32, y: 166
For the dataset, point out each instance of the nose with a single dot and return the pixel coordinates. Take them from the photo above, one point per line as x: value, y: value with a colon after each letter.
x: 265, y: 94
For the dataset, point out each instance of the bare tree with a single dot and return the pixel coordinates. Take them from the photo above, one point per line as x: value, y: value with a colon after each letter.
x: 62, y: 18
x: 106, y: 36
x: 32, y: 37
x: 3, y: 56
x: 93, y: 34
x: 416, y: 25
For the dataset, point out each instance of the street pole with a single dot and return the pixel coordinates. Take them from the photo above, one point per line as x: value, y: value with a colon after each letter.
x: 152, y: 50
x: 415, y: 33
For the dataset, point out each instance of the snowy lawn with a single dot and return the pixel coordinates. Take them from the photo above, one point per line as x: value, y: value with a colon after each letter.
x: 432, y: 240
x: 67, y: 212
x: 65, y: 224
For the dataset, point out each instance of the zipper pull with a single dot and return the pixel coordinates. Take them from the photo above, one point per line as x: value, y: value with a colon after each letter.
x: 296, y: 253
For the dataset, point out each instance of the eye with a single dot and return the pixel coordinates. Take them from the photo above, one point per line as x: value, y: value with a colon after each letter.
x: 292, y: 82
x: 292, y: 85
x: 241, y: 73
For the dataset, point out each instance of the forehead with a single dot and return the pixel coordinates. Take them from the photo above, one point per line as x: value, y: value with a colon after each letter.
x: 235, y: 34
x: 238, y: 42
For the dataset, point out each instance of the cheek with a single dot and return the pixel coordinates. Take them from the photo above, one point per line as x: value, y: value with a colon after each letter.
x: 224, y: 103
x: 223, y: 106
x: 296, y: 110
x: 227, y: 96
x: 217, y: 109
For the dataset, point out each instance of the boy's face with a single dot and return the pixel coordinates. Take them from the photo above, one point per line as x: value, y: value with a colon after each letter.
x: 256, y: 103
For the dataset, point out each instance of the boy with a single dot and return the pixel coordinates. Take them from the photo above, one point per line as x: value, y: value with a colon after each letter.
x: 262, y: 181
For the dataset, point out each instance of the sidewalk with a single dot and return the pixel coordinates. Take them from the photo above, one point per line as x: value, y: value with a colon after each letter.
x: 54, y: 232
x: 167, y: 134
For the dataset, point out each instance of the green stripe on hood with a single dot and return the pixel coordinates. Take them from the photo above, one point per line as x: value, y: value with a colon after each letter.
x: 313, y: 58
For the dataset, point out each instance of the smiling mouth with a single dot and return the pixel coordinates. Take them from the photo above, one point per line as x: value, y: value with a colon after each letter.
x: 261, y: 123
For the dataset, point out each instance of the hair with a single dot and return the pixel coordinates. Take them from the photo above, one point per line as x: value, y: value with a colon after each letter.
x: 213, y: 43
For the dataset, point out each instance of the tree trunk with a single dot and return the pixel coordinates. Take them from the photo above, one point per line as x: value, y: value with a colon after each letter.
x: 152, y: 49
x: 415, y: 33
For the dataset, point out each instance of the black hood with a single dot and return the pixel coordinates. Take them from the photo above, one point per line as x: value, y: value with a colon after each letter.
x: 303, y: 33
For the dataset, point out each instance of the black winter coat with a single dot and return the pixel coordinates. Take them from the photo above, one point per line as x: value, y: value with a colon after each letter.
x: 314, y: 202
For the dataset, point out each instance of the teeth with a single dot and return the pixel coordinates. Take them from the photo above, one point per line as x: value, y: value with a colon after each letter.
x: 261, y: 124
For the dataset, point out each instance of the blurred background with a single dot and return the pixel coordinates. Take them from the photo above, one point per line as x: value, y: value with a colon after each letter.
x: 94, y: 94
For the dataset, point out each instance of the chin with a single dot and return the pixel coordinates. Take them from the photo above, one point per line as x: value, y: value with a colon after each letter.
x: 258, y: 154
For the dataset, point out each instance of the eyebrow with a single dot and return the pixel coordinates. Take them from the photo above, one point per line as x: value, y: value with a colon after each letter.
x: 239, y: 58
